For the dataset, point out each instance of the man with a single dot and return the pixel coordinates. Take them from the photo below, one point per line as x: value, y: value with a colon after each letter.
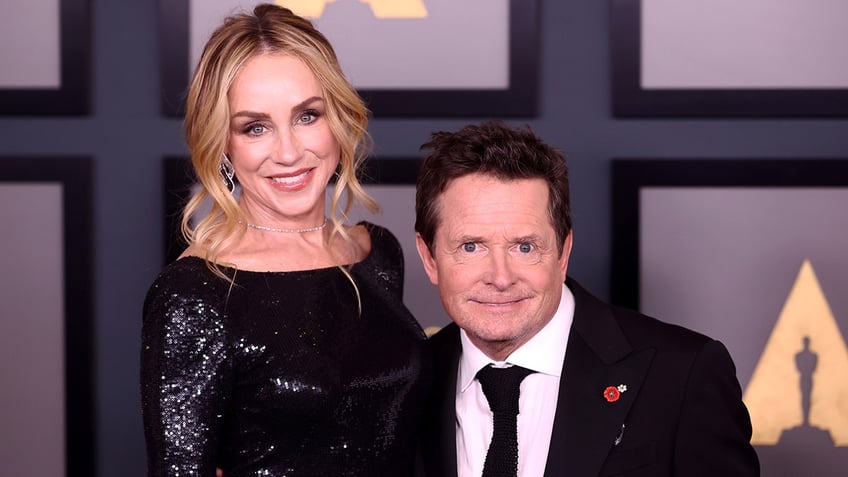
x: 612, y: 392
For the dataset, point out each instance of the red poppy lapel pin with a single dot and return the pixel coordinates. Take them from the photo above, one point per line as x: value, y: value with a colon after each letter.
x: 612, y: 393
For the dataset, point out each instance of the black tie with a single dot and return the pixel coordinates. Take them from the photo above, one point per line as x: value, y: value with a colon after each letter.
x: 501, y: 387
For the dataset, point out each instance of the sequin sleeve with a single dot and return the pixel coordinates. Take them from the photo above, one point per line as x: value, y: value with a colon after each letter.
x: 186, y: 375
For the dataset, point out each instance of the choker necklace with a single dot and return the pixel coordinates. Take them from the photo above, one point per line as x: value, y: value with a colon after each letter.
x: 289, y: 231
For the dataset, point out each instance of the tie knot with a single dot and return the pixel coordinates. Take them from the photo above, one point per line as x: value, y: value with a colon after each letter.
x: 501, y: 386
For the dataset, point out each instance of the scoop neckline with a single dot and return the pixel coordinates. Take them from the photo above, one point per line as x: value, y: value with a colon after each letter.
x: 368, y: 226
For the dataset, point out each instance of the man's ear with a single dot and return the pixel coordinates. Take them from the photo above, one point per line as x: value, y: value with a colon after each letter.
x: 427, y: 259
x: 566, y: 253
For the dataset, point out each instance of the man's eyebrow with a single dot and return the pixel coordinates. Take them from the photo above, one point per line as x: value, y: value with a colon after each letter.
x: 468, y: 238
x: 527, y: 238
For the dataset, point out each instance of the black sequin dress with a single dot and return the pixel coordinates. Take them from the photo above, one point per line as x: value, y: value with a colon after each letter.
x: 279, y: 375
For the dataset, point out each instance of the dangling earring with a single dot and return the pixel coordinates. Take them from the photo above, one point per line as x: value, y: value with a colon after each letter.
x: 227, y: 172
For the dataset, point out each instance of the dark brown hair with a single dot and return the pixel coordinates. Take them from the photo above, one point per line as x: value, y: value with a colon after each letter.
x: 490, y: 148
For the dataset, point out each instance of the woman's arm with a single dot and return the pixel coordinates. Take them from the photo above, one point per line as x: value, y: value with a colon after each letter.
x: 186, y: 377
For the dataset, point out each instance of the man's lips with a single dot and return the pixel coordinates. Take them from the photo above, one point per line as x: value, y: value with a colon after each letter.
x: 497, y: 301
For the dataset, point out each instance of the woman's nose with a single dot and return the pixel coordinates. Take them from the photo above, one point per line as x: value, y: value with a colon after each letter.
x: 289, y: 149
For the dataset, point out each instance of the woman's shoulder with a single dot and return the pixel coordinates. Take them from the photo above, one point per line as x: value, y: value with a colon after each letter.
x: 184, y: 282
x: 187, y: 268
x: 385, y: 261
x: 384, y: 249
x: 381, y: 238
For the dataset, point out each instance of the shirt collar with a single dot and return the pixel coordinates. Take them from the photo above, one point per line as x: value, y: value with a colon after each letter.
x: 543, y: 353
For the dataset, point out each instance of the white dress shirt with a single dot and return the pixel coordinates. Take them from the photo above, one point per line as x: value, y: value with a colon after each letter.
x: 544, y: 353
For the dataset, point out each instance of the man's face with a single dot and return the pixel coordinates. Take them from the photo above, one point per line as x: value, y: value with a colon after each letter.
x: 495, y: 260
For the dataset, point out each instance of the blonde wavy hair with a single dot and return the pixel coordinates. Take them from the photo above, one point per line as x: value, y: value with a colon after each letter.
x: 269, y: 29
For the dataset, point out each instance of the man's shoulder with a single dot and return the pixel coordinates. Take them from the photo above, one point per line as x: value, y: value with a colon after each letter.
x: 639, y: 329
x: 648, y: 330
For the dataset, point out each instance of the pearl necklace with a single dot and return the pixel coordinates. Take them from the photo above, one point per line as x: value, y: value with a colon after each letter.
x: 289, y: 231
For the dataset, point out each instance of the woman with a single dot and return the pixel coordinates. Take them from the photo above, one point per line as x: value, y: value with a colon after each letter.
x: 278, y: 343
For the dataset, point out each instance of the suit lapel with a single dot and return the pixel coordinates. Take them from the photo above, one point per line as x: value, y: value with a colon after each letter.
x: 598, y: 355
x: 439, y: 446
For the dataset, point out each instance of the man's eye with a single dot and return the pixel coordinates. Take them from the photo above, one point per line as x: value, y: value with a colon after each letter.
x: 469, y: 247
x: 525, y: 247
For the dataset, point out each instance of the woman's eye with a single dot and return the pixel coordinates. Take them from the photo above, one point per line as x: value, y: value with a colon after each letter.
x: 255, y: 129
x: 308, y: 116
x: 525, y: 247
x: 469, y: 247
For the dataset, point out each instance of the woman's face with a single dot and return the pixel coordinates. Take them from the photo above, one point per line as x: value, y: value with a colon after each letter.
x: 280, y: 142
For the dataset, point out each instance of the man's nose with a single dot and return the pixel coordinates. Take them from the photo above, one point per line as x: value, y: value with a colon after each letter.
x: 500, y: 270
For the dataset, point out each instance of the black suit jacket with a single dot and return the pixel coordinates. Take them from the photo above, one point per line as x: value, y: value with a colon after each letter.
x: 681, y: 415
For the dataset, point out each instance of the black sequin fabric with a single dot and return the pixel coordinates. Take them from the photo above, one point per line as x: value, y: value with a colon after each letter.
x: 279, y: 375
